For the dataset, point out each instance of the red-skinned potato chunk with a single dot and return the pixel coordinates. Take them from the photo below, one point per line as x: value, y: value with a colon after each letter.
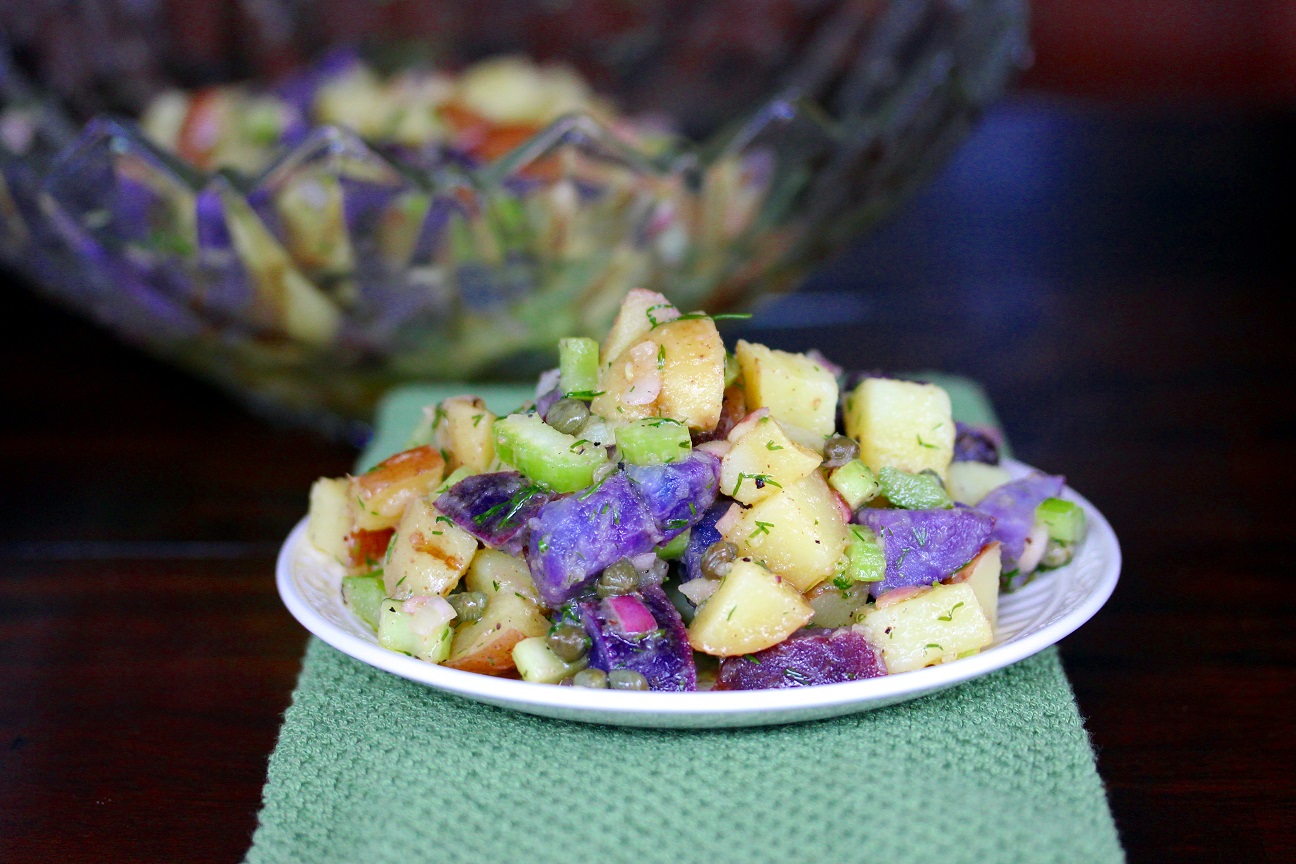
x: 379, y: 496
x: 486, y: 645
x: 365, y: 549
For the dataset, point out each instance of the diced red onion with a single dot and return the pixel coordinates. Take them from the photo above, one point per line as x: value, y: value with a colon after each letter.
x: 698, y: 590
x: 645, y: 377
x: 726, y: 523
x: 630, y: 613
x: 644, y: 561
x: 718, y: 449
x: 747, y: 424
x: 427, y: 614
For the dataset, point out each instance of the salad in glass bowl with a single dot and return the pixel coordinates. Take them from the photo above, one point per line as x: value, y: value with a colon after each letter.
x: 310, y: 240
x: 668, y: 516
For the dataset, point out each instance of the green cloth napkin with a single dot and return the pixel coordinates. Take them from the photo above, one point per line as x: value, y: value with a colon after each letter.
x: 371, y: 768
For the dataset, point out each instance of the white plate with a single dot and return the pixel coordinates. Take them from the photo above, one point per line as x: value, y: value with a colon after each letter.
x: 1030, y: 620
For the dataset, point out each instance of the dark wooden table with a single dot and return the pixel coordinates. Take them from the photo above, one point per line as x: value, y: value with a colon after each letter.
x: 1113, y: 278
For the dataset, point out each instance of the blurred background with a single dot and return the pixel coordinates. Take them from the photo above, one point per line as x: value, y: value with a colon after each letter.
x: 1207, y: 84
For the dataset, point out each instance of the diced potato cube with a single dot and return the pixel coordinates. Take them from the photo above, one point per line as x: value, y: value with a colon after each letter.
x: 750, y: 611
x: 366, y: 549
x: 796, y: 389
x: 486, y: 645
x: 969, y: 482
x: 684, y: 360
x: 901, y: 424
x: 379, y: 496
x: 428, y: 554
x: 982, y: 573
x: 463, y: 430
x: 299, y: 308
x: 933, y: 626
x: 492, y: 570
x: 639, y: 310
x: 330, y: 517
x: 763, y: 461
x: 798, y: 533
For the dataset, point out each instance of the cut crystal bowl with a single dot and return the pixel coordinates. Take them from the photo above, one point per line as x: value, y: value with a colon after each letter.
x: 340, y: 268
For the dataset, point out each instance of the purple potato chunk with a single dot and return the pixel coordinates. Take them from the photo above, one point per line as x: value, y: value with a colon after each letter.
x: 663, y: 656
x: 678, y: 493
x: 704, y: 535
x: 925, y: 546
x: 1013, y: 507
x: 976, y: 444
x: 806, y: 658
x: 494, y: 508
x: 573, y: 538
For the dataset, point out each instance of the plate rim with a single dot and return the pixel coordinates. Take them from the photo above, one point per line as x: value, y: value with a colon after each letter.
x: 652, y: 708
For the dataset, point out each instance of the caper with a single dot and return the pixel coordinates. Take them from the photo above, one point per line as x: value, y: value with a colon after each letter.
x: 626, y: 679
x: 469, y: 605
x: 619, y: 578
x: 595, y: 679
x: 568, y: 641
x: 718, y: 558
x: 568, y: 415
x: 838, y: 450
x: 932, y: 474
x: 1056, y: 554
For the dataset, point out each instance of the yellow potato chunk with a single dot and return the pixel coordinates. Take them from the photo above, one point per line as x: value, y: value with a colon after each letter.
x: 378, y: 497
x: 901, y: 424
x: 463, y: 430
x: 289, y: 299
x: 796, y: 389
x: 428, y: 553
x: 492, y: 570
x: 330, y: 517
x: 750, y: 611
x: 764, y: 460
x: 935, y: 626
x: 982, y: 573
x: 675, y: 371
x: 797, y: 533
x: 639, y: 310
x: 486, y: 645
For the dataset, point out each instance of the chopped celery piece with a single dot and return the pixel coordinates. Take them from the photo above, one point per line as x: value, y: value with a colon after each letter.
x: 364, y: 594
x: 913, y: 491
x: 456, y: 475
x: 653, y: 441
x: 536, y: 662
x: 578, y: 365
x: 675, y: 548
x: 425, y: 633
x: 854, y: 482
x: 547, y: 456
x: 865, y: 561
x: 1065, y: 520
x: 731, y: 369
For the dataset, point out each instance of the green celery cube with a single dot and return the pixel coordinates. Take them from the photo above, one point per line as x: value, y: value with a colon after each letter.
x: 1065, y: 520
x: 855, y: 483
x: 653, y: 441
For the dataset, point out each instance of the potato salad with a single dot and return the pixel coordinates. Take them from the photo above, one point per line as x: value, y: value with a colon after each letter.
x: 669, y: 516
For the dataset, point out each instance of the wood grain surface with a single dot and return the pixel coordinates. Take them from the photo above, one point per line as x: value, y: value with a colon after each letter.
x: 1115, y: 280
